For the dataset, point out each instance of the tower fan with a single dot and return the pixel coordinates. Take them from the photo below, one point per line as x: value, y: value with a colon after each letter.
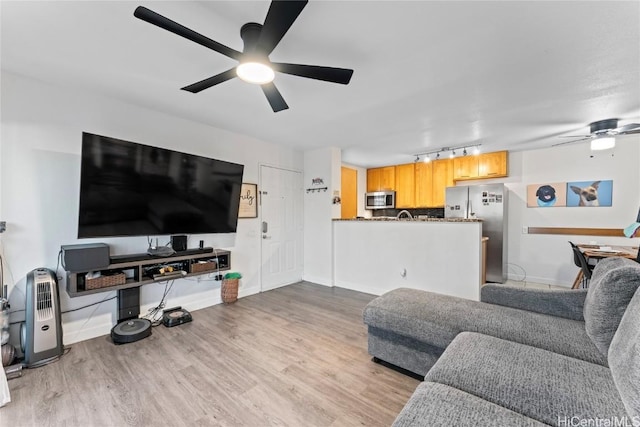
x: 41, y: 332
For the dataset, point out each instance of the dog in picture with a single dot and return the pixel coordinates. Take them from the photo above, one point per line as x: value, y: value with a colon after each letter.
x: 588, y: 195
x: 546, y: 195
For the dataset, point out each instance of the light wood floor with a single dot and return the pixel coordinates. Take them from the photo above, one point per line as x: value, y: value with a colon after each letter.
x: 294, y: 356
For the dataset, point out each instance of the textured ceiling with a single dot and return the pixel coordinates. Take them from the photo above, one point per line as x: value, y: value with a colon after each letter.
x: 428, y: 74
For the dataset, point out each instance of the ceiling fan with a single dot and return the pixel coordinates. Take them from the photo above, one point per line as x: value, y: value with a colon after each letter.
x: 603, y: 133
x: 259, y: 41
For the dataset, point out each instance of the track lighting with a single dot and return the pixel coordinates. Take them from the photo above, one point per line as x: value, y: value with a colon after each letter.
x: 426, y: 157
x: 417, y: 158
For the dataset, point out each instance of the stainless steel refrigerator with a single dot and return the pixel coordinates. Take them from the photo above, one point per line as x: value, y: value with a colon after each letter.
x: 487, y: 202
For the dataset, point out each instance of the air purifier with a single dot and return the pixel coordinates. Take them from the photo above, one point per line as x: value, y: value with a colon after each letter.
x: 41, y: 332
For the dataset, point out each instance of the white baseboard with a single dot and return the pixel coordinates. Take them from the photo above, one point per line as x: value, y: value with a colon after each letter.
x: 102, y: 326
x: 318, y: 280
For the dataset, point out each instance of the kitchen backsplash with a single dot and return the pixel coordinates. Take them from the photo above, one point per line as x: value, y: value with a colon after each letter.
x: 432, y: 212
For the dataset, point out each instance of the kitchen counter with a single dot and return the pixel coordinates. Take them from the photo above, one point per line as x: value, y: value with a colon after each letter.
x: 377, y: 255
x: 387, y: 218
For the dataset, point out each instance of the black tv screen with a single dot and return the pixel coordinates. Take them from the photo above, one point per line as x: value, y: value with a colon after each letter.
x: 131, y: 189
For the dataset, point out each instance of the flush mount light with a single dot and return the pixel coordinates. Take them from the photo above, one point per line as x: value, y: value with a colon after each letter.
x: 603, y: 143
x: 255, y: 72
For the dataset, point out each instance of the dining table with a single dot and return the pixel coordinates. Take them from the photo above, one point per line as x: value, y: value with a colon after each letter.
x: 598, y: 252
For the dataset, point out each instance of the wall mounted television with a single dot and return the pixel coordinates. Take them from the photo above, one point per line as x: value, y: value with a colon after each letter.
x: 131, y: 189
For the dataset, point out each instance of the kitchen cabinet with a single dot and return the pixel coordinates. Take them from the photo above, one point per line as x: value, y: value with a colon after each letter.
x: 442, y: 178
x: 486, y: 165
x: 348, y: 193
x: 405, y: 186
x: 465, y: 167
x: 431, y: 181
x: 379, y: 179
x: 424, y: 184
x: 492, y: 165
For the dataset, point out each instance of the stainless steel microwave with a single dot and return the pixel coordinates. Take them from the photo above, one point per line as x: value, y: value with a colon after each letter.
x: 380, y: 200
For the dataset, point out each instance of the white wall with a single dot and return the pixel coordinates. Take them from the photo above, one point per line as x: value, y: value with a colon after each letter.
x: 319, y: 209
x: 548, y: 258
x: 41, y: 134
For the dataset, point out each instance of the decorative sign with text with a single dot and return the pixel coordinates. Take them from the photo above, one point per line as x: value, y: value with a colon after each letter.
x: 248, y: 201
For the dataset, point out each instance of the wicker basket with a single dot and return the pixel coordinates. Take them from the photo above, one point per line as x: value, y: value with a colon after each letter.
x: 199, y: 267
x: 105, y: 281
x: 229, y: 290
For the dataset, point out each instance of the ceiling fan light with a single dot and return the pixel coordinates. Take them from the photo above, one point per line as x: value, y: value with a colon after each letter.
x: 603, y: 143
x: 255, y: 72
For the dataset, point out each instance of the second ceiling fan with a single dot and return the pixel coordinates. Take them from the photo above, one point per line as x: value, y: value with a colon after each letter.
x: 259, y: 41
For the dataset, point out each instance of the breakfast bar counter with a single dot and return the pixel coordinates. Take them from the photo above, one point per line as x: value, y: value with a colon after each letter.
x: 376, y: 255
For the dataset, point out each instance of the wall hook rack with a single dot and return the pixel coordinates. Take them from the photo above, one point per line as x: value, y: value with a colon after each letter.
x: 313, y: 190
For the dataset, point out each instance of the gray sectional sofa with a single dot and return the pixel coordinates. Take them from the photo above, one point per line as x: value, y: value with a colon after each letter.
x: 520, y: 356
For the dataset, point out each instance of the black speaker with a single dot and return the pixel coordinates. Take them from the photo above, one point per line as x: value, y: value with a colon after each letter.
x: 128, y: 303
x: 87, y: 257
x: 179, y: 243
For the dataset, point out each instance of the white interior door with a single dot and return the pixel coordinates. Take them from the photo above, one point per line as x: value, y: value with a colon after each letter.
x: 282, y: 228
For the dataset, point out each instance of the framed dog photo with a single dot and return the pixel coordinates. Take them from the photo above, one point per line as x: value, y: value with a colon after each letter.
x: 547, y: 195
x: 248, y: 201
x: 590, y: 193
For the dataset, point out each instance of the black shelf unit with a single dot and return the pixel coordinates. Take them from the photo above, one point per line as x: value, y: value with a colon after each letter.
x: 140, y: 269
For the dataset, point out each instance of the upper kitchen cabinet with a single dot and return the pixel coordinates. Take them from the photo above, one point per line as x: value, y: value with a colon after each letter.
x: 379, y: 179
x: 442, y: 178
x: 487, y: 165
x: 465, y: 167
x: 424, y: 184
x: 492, y: 165
x: 405, y: 186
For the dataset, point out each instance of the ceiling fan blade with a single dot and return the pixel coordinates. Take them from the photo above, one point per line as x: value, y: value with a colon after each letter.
x: 576, y: 136
x: 172, y: 26
x: 281, y: 15
x: 276, y: 100
x: 211, y: 81
x: 328, y: 74
x: 571, y: 142
x: 630, y: 128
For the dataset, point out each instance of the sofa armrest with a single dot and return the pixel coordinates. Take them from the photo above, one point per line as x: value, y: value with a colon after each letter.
x: 555, y: 302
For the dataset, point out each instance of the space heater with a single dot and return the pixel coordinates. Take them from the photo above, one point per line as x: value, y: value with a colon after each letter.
x: 41, y: 332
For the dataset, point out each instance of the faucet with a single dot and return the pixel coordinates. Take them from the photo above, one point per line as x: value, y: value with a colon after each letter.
x: 404, y: 212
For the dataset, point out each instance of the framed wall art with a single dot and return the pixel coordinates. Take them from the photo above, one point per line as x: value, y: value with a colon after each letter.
x: 248, y: 201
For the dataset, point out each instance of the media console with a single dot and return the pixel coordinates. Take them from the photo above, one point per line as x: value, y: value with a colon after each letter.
x: 129, y: 271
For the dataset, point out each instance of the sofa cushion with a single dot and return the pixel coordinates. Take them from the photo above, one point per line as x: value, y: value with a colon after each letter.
x: 539, y: 384
x: 434, y: 404
x: 437, y: 319
x: 612, y: 286
x: 624, y: 357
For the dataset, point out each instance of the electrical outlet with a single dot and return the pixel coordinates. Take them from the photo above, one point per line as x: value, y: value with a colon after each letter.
x: 219, y: 277
x: 525, y: 229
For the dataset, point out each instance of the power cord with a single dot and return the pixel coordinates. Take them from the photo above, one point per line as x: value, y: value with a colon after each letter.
x: 88, y: 305
x: 524, y: 272
x: 152, y: 313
